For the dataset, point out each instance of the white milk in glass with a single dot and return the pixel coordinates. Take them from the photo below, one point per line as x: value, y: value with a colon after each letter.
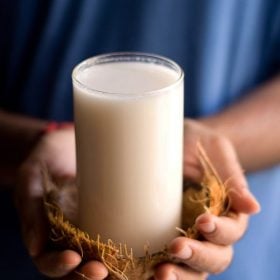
x: 129, y: 135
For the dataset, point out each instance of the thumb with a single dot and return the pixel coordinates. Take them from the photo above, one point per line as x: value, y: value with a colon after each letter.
x: 231, y: 173
x: 241, y: 198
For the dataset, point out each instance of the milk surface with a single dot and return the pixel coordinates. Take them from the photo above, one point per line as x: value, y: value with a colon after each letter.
x: 129, y: 153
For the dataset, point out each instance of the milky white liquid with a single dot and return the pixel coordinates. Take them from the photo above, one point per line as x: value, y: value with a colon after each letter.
x: 129, y: 153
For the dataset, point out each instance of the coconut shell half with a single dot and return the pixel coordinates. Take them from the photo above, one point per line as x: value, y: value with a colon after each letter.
x: 60, y: 201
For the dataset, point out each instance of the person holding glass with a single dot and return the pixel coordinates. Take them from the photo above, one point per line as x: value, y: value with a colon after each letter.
x: 228, y: 51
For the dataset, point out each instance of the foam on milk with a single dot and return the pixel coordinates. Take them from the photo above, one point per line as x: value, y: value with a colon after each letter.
x: 127, y: 77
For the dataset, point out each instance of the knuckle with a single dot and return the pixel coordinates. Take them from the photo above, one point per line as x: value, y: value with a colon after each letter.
x: 198, y: 259
x: 225, y: 262
x: 217, y: 237
x: 164, y: 270
x: 218, y: 141
x: 223, y: 235
x: 49, y: 270
x: 204, y: 276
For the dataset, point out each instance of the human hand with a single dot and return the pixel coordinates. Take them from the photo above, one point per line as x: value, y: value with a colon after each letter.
x: 199, y: 258
x: 56, y: 151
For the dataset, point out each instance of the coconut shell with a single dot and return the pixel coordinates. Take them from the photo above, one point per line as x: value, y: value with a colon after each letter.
x: 60, y: 201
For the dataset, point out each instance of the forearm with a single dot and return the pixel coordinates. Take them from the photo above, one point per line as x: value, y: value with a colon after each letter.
x: 253, y: 126
x: 17, y: 136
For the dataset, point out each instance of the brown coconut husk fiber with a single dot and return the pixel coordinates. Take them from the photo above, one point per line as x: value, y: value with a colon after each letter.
x: 60, y: 202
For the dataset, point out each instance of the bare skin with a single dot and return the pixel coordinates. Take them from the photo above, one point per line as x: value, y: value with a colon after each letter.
x: 213, y: 255
x: 57, y: 151
x: 252, y: 125
x: 229, y: 134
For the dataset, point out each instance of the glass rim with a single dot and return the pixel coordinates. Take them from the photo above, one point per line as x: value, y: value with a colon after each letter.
x: 143, y: 57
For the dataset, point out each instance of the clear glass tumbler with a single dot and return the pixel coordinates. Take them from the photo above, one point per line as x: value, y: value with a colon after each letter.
x: 129, y: 138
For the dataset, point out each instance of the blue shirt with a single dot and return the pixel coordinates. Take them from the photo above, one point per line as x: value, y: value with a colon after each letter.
x: 226, y: 48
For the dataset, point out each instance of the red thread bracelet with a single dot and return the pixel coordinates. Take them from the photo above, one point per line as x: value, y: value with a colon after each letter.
x: 53, y: 126
x: 50, y: 127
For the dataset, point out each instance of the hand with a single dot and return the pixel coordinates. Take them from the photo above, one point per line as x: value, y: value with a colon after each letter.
x: 56, y: 151
x: 199, y: 258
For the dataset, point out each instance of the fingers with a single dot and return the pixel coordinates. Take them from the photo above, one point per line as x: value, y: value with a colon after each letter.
x: 175, y: 272
x: 241, y: 199
x: 92, y: 270
x: 201, y: 256
x: 224, y: 158
x: 57, y: 264
x: 222, y: 230
x: 64, y: 264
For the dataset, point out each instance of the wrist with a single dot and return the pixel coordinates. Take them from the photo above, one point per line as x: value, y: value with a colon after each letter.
x: 54, y: 126
x: 48, y: 131
x: 18, y: 137
x: 222, y: 126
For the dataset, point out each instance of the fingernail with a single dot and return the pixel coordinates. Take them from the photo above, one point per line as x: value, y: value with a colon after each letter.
x: 32, y: 244
x: 71, y: 265
x: 207, y: 227
x: 184, y: 254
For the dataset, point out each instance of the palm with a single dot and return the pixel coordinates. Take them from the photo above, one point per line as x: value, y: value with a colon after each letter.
x: 218, y: 148
x: 56, y: 151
